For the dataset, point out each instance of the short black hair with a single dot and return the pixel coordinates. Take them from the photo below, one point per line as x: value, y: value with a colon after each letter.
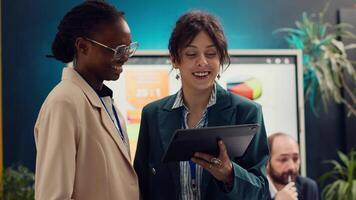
x: 81, y: 21
x: 189, y: 26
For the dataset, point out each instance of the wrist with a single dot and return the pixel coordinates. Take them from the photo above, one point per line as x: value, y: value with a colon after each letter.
x: 230, y: 178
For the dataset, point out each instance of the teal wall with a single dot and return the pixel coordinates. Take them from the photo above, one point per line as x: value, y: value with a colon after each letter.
x: 152, y: 22
x: 29, y: 27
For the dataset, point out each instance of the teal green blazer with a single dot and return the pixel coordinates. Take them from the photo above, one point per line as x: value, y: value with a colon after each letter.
x: 160, y: 181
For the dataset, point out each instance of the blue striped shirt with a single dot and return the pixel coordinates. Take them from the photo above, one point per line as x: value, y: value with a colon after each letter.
x: 187, y: 191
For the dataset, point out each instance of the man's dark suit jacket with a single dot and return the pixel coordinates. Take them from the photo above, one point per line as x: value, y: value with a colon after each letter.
x: 307, y: 189
x: 159, y: 181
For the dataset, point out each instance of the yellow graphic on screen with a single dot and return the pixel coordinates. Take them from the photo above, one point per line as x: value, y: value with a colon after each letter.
x: 142, y: 89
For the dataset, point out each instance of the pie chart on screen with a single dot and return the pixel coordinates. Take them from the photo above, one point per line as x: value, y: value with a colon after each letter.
x: 246, y: 86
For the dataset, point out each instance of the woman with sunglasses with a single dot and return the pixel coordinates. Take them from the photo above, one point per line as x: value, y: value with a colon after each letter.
x: 81, y: 140
x: 198, y: 50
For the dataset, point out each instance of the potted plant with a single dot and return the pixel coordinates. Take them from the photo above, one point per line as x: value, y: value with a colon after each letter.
x: 343, y: 176
x: 18, y: 184
x: 324, y: 59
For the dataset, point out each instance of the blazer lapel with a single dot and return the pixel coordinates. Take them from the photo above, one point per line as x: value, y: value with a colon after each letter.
x: 70, y: 74
x: 110, y: 127
x: 170, y: 120
x: 220, y: 114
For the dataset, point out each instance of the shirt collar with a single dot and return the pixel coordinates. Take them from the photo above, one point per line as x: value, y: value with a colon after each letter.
x: 179, y: 99
x: 104, y: 92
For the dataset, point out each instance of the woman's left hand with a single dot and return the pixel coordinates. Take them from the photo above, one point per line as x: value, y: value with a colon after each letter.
x: 220, y: 167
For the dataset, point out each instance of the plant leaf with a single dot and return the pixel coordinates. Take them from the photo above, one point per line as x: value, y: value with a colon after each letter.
x: 290, y: 30
x: 343, y: 158
x: 353, y: 189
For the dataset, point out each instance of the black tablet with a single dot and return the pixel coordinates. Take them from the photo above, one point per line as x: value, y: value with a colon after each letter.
x: 185, y: 142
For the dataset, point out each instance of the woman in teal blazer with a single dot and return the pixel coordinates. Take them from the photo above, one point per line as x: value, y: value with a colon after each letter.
x: 198, y: 50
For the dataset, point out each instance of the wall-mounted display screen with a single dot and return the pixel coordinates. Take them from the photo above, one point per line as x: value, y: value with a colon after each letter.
x: 267, y: 77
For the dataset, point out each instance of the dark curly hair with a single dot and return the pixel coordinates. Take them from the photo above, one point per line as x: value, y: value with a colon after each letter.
x: 189, y: 26
x: 82, y: 21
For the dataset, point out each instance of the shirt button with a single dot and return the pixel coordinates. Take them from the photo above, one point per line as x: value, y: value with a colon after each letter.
x: 153, y: 171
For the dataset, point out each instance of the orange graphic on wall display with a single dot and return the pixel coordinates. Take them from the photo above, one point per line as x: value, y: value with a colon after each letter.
x: 143, y: 87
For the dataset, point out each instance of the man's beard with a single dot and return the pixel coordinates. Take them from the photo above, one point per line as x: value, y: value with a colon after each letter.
x: 282, y: 178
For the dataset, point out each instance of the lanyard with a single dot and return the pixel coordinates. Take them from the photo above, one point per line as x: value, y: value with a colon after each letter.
x: 116, y: 118
x: 193, y: 175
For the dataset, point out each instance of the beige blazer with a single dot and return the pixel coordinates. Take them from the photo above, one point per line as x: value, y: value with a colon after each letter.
x: 80, y: 154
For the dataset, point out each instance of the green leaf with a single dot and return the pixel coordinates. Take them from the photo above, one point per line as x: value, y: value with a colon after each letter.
x: 327, y: 40
x: 350, y: 46
x: 344, y: 26
x: 342, y: 189
x: 353, y: 189
x: 343, y: 158
x: 345, y: 34
x: 297, y: 42
x: 327, y: 175
x: 289, y: 30
x: 331, y: 190
x: 322, y: 30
